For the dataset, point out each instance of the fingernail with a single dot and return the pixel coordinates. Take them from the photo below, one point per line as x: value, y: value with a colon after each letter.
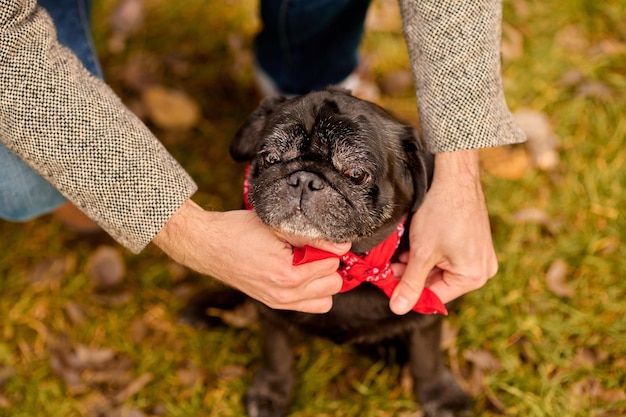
x: 400, y: 305
x: 342, y: 246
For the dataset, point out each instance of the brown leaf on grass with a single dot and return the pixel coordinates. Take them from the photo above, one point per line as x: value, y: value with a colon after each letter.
x: 535, y: 215
x: 572, y: 38
x: 608, y: 46
x: 134, y: 387
x: 126, y: 18
x: 449, y: 335
x: 592, y: 387
x: 595, y: 89
x: 124, y: 411
x: 106, y: 268
x: 242, y: 316
x: 396, y: 83
x: 482, y: 359
x: 512, y: 46
x: 188, y: 377
x: 171, y: 109
x: 571, y: 78
x: 138, y: 330
x: 139, y: 72
x: 483, y: 362
x: 89, y: 357
x: 531, y: 215
x: 91, y: 369
x: 588, y: 358
x: 76, y: 313
x: 542, y: 142
x: 243, y: 57
x: 510, y: 162
x: 556, y: 279
x: 230, y: 372
x: 384, y: 16
x: 5, y: 373
x: 49, y: 273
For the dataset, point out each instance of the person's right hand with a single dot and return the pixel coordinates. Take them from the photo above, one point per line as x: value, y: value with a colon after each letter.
x: 237, y: 248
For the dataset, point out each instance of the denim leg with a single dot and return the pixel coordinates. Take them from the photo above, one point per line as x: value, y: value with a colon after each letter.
x: 24, y: 194
x: 307, y: 45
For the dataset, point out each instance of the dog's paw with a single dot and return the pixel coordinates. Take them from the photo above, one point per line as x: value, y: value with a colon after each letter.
x: 258, y: 405
x: 444, y: 398
x: 269, y: 395
x: 459, y: 406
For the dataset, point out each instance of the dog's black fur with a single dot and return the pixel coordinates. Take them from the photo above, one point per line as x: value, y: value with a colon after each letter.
x: 328, y: 165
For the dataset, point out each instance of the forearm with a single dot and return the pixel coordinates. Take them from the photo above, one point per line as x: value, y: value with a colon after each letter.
x: 454, y: 50
x: 73, y: 130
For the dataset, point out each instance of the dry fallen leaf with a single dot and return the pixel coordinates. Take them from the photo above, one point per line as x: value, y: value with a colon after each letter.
x: 49, y: 273
x: 482, y: 359
x: 483, y: 362
x: 106, y: 268
x: 535, y: 215
x: 510, y: 162
x: 396, y: 83
x: 595, y: 89
x: 572, y: 38
x: 541, y: 142
x: 126, y: 18
x: 384, y: 16
x: 171, y: 109
x: 556, y: 277
x: 76, y: 313
x: 512, y: 46
x: 134, y: 387
x: 242, y: 316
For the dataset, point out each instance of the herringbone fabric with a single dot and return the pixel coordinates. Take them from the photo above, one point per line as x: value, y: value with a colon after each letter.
x: 73, y: 130
x: 454, y: 48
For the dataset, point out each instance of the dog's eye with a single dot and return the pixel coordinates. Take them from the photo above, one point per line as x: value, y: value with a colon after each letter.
x: 270, y: 158
x: 357, y: 175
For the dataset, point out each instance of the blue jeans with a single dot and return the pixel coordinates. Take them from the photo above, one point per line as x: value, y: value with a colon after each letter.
x: 24, y: 194
x: 307, y: 45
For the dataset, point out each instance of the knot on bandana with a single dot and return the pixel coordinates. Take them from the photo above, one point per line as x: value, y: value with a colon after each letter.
x: 373, y: 266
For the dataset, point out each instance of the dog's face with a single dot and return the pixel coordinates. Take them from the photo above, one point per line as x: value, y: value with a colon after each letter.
x: 331, y: 166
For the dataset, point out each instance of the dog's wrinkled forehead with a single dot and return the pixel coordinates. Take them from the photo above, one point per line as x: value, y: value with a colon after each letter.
x: 326, y: 128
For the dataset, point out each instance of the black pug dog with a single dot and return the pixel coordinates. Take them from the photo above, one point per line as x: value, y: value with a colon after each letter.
x: 329, y: 165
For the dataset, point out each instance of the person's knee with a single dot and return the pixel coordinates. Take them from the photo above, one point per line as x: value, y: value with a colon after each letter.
x: 24, y: 197
x: 21, y: 205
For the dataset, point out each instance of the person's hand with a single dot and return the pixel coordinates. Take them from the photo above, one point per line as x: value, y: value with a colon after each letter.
x: 451, y: 250
x: 237, y: 248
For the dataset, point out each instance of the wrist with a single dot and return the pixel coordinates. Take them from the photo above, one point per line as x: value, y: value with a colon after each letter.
x: 457, y: 165
x: 174, y: 236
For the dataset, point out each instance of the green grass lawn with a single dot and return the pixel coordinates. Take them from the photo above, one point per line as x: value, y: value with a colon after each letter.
x: 533, y: 342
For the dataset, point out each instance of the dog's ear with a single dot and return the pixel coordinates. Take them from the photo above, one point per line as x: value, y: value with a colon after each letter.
x: 248, y: 138
x: 420, y: 163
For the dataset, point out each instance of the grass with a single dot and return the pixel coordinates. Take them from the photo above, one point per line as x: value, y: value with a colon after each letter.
x: 551, y: 355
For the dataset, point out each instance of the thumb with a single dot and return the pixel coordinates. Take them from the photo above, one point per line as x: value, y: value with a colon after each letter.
x: 410, y: 287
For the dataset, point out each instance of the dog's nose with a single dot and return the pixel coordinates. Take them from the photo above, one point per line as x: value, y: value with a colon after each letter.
x: 305, y: 180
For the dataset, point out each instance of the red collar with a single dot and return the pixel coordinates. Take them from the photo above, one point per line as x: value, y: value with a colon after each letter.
x: 373, y: 266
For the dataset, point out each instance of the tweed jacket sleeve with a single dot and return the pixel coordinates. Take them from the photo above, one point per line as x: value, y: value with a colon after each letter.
x: 454, y: 49
x: 73, y: 130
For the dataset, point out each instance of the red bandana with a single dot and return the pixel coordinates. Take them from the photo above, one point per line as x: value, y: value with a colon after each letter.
x: 373, y: 266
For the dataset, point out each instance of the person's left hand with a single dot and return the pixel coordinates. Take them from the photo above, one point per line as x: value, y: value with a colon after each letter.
x: 451, y: 250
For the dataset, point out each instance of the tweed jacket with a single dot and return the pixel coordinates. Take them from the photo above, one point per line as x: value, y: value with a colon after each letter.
x: 72, y: 128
